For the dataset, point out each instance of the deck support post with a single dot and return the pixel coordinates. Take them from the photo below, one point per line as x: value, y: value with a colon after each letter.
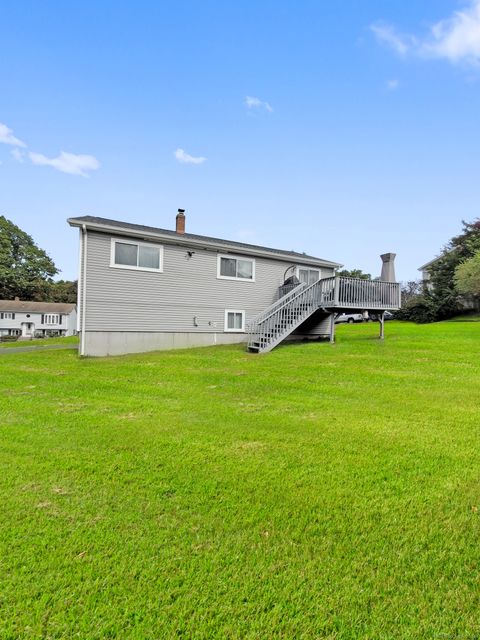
x: 332, y: 327
x: 382, y: 325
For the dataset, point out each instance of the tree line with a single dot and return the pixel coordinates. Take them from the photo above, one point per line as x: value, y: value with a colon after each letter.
x: 26, y: 271
x: 454, y: 282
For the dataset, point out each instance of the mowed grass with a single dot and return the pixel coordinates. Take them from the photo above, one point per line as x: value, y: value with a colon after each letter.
x: 314, y: 492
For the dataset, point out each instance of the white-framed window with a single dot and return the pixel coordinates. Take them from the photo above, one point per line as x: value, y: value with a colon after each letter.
x: 143, y: 256
x: 234, y: 321
x: 235, y: 268
x: 7, y: 315
x: 307, y: 275
x: 52, y: 318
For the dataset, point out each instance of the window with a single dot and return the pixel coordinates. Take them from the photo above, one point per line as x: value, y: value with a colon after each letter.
x: 309, y: 276
x: 234, y: 268
x: 136, y: 255
x: 234, y: 320
x: 52, y: 318
x: 6, y: 315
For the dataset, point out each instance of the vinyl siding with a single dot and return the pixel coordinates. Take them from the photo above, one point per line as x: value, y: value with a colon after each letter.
x: 130, y: 300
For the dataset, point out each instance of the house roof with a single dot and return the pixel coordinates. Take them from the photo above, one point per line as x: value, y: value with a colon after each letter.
x: 434, y: 260
x: 138, y: 230
x: 36, y: 307
x: 428, y: 264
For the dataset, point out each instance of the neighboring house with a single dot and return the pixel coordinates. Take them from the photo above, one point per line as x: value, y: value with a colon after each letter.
x: 465, y: 302
x: 425, y: 271
x: 37, y: 319
x: 144, y: 288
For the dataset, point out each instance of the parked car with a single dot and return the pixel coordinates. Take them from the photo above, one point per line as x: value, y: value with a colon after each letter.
x: 349, y: 317
x: 376, y: 316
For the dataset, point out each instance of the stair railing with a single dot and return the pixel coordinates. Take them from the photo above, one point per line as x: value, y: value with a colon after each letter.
x: 273, y: 307
x: 281, y: 318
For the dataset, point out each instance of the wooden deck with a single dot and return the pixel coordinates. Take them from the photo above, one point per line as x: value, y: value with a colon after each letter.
x: 332, y: 295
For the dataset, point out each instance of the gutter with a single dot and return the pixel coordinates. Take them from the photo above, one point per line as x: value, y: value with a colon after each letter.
x: 201, y: 244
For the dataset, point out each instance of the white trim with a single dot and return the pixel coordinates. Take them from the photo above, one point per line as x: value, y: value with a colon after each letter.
x: 225, y: 325
x: 84, y: 289
x: 235, y: 257
x: 79, y: 284
x: 113, y: 265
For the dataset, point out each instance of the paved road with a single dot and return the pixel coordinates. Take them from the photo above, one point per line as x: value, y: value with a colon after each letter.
x: 47, y: 347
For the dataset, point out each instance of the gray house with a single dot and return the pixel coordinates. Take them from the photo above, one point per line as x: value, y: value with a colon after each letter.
x: 27, y: 319
x: 144, y: 288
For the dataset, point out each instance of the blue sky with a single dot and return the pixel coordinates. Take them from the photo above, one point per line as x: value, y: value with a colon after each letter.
x: 342, y: 129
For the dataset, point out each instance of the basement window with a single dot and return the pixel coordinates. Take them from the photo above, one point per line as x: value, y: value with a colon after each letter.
x: 234, y: 321
x: 136, y: 255
x: 235, y: 268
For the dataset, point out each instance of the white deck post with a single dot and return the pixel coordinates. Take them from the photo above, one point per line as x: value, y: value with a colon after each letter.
x: 332, y: 328
x: 382, y: 323
x: 336, y: 291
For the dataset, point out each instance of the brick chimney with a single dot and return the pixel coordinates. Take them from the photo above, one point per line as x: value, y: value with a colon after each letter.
x: 180, y: 222
x: 17, y: 299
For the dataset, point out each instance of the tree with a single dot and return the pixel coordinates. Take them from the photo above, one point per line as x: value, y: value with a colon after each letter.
x: 63, y: 291
x: 25, y: 269
x: 442, y: 294
x: 410, y: 291
x: 467, y: 276
x: 354, y: 273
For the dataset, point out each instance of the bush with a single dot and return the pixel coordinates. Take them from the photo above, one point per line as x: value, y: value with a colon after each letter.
x: 467, y: 276
x: 421, y: 310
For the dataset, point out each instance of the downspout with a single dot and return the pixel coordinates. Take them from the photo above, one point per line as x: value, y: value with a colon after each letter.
x: 79, y: 286
x: 84, y: 288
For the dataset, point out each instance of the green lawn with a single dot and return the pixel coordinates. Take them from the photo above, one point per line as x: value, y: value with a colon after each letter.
x: 40, y: 342
x: 314, y: 492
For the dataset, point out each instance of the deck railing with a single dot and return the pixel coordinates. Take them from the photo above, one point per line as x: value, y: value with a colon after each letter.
x: 355, y: 293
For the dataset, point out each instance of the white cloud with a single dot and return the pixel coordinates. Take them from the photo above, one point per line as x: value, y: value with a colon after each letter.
x: 18, y: 154
x: 255, y: 103
x: 387, y: 34
x: 456, y: 39
x: 78, y: 165
x: 392, y: 85
x: 185, y: 158
x: 7, y: 137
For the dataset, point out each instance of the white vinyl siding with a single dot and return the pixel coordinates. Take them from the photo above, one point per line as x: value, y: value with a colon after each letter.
x: 236, y: 268
x: 136, y: 255
x: 188, y: 297
x: 234, y: 320
x: 309, y: 276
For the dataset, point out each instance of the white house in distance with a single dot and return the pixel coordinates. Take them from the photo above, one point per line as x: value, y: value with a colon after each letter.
x: 37, y: 319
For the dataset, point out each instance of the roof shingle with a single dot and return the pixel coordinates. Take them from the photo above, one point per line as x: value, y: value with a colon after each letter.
x: 126, y: 226
x: 36, y: 307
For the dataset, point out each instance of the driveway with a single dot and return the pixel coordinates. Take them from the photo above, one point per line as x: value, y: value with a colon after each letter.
x: 47, y: 347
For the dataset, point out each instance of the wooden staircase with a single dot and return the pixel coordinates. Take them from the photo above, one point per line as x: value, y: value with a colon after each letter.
x: 333, y: 295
